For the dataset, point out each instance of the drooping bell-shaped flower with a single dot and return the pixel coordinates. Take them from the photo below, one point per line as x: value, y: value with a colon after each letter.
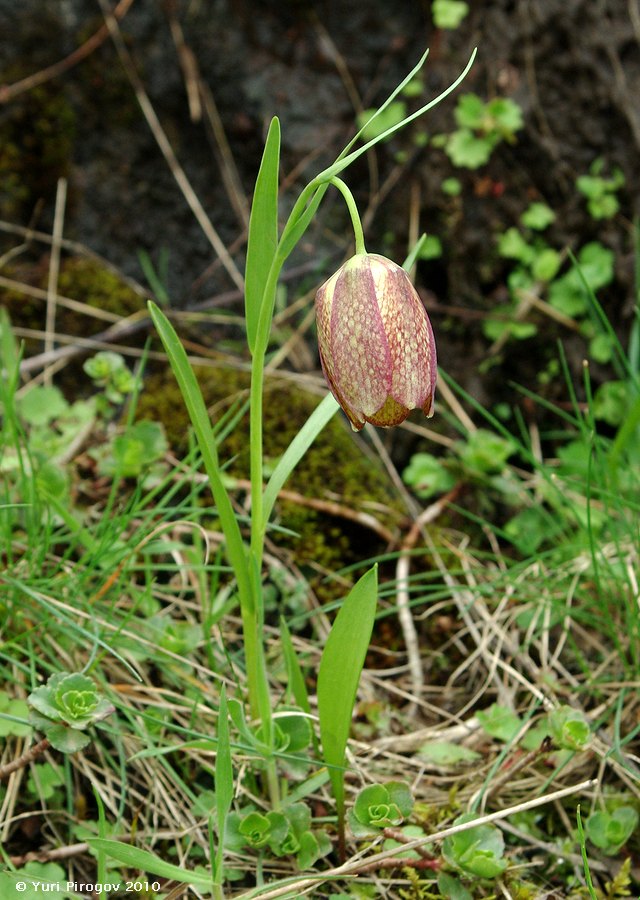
x: 376, y: 345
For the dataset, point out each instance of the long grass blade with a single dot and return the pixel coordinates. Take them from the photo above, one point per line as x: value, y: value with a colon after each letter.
x: 295, y: 451
x: 224, y: 784
x: 339, y: 674
x: 295, y: 676
x: 197, y: 410
x: 263, y: 231
x: 346, y: 161
x: 135, y: 858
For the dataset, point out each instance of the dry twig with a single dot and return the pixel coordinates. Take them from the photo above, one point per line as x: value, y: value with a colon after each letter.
x: 10, y: 91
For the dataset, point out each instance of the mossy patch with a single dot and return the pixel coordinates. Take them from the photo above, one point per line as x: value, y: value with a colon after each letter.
x: 85, y: 279
x: 335, y: 468
x: 81, y: 278
x: 37, y: 132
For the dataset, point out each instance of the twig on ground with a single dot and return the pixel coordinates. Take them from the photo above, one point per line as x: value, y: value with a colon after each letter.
x: 401, y: 862
x: 103, y: 340
x: 10, y: 91
x: 24, y: 759
x: 354, y: 868
x: 514, y: 764
x: 49, y: 855
x: 405, y: 617
x: 332, y: 508
x: 397, y: 835
x: 201, y: 100
x: 54, y: 270
x: 76, y: 305
x: 551, y: 849
x: 167, y: 150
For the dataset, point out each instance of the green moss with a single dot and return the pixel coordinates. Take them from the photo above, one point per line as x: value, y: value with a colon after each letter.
x: 37, y: 132
x: 90, y: 282
x: 80, y: 278
x: 335, y: 468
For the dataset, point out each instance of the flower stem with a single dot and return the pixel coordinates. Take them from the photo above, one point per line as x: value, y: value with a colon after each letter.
x: 353, y: 211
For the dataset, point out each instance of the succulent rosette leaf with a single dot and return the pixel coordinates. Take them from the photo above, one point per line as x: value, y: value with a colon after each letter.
x: 376, y: 344
x: 380, y: 806
x: 64, y: 707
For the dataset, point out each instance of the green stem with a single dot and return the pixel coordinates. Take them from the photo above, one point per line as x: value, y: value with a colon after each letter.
x: 273, y: 785
x: 285, y: 246
x: 353, y: 212
x: 256, y: 411
x: 253, y: 624
x: 257, y: 675
x: 253, y: 612
x: 345, y: 159
x: 623, y: 438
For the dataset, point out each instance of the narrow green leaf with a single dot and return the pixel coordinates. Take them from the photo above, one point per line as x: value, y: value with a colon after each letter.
x: 409, y: 262
x: 339, y: 674
x: 86, y: 636
x: 223, y: 784
x: 197, y: 410
x: 236, y: 711
x: 585, y: 858
x: 300, y: 219
x: 344, y: 161
x: 8, y: 346
x: 102, y: 828
x: 295, y: 676
x: 263, y: 231
x: 148, y: 862
x: 295, y: 451
x: 383, y: 106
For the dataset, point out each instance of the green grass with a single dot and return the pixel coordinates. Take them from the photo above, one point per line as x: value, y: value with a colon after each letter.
x: 132, y: 589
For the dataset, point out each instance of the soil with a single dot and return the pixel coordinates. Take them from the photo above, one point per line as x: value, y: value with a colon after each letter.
x: 572, y: 65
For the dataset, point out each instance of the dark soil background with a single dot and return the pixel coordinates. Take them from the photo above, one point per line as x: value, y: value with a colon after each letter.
x: 572, y: 65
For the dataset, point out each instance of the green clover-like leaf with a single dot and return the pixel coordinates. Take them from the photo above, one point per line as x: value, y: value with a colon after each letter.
x: 427, y: 476
x: 512, y: 245
x: 392, y: 115
x: 65, y: 739
x: 484, y: 451
x: 295, y: 729
x: 476, y: 851
x: 470, y: 111
x: 569, y: 728
x: 13, y: 707
x: 78, y: 705
x: 537, y: 216
x: 290, y: 845
x: 380, y: 806
x: 308, y: 851
x: 506, y: 115
x: 41, y: 405
x: 256, y: 829
x: 467, y: 150
x: 103, y: 365
x: 294, y: 836
x: 45, y: 780
x: 609, y: 831
x: 612, y: 398
x: 298, y: 820
x: 448, y: 13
